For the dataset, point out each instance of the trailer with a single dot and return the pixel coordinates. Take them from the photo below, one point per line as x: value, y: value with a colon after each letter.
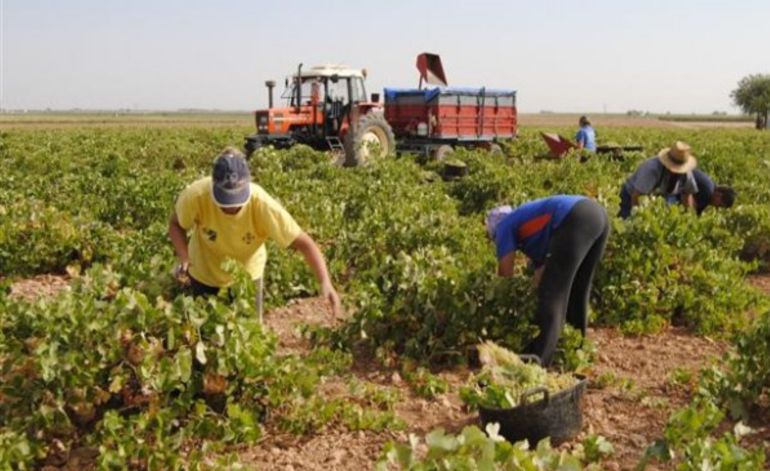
x: 436, y: 121
x: 327, y: 108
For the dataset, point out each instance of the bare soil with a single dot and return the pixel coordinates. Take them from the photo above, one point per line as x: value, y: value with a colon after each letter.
x: 40, y: 286
x: 634, y: 386
x: 633, y: 390
x: 761, y: 282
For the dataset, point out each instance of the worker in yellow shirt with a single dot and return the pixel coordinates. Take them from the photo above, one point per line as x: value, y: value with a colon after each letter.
x: 228, y: 216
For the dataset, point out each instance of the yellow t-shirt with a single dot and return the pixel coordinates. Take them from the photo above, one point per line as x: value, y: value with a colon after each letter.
x: 217, y: 236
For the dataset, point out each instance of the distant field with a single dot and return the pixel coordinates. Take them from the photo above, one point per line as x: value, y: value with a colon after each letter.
x: 162, y: 119
x: 708, y: 118
x: 63, y: 120
x: 622, y: 120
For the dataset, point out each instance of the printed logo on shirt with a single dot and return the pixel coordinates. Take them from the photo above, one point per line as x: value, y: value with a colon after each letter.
x: 248, y: 238
x: 211, y: 234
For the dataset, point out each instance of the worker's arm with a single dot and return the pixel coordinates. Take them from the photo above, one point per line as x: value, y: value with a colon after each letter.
x: 315, y: 259
x: 178, y: 237
x: 505, y: 265
x: 635, y: 198
x: 580, y: 139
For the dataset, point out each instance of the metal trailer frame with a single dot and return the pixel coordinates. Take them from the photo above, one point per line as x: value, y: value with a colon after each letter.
x: 425, y: 119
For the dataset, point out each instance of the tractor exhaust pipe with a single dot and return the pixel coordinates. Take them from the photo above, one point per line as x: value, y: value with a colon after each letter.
x: 270, y: 84
x: 299, y: 86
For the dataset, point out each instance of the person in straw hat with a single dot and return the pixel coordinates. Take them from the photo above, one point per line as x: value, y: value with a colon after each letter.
x: 564, y: 236
x: 229, y: 216
x: 669, y: 174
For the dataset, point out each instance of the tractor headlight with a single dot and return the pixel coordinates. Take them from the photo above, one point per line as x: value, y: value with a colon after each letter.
x: 262, y: 124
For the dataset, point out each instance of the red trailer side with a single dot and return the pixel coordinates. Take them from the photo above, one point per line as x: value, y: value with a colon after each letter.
x: 452, y: 115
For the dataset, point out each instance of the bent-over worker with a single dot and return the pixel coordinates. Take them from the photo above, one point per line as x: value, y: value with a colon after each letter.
x: 669, y: 174
x: 711, y: 194
x: 564, y: 236
x: 231, y: 217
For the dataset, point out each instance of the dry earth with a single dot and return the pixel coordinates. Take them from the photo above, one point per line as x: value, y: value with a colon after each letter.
x: 40, y: 286
x: 632, y: 393
x: 635, y: 384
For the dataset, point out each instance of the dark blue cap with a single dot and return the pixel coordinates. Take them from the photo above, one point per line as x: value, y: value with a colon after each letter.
x: 231, y: 182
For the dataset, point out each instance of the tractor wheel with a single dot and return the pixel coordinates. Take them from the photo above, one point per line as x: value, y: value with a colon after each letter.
x: 250, y: 146
x: 443, y: 151
x: 373, y: 139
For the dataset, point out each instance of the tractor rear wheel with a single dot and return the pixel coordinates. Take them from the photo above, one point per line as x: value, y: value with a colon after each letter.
x: 373, y: 139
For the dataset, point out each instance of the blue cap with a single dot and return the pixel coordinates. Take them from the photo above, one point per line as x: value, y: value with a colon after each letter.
x: 231, y: 182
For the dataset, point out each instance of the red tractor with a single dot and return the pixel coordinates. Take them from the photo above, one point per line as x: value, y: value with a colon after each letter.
x: 327, y: 109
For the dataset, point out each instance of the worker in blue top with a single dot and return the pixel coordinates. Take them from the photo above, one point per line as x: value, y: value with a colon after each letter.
x: 586, y: 136
x: 564, y: 236
x: 669, y: 174
x: 711, y: 194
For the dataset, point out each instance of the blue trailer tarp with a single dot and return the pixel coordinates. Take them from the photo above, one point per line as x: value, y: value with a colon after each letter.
x: 431, y: 93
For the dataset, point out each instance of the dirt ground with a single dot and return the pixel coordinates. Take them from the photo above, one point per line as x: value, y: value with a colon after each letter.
x: 634, y: 385
x: 39, y: 287
x: 761, y: 282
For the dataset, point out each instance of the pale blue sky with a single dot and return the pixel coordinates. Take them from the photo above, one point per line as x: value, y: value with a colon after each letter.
x: 679, y: 56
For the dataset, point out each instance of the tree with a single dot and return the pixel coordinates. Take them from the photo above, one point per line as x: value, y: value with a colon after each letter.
x: 753, y: 97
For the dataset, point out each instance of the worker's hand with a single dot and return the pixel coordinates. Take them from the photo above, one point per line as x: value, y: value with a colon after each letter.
x: 181, y: 273
x: 538, y: 276
x: 330, y: 295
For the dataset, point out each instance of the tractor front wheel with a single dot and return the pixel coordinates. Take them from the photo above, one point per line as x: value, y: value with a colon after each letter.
x: 372, y: 139
x: 250, y: 146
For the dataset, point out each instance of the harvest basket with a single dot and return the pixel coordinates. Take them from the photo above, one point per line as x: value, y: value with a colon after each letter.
x: 540, y: 415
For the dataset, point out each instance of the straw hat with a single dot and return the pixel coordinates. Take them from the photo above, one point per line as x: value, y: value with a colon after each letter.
x: 678, y: 158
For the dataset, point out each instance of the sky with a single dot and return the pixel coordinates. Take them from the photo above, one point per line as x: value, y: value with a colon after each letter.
x: 678, y: 56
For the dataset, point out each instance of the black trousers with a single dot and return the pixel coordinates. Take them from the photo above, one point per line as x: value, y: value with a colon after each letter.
x: 574, y: 252
x: 198, y: 289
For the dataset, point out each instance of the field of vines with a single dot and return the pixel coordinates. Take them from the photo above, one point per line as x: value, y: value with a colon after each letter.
x: 123, y: 370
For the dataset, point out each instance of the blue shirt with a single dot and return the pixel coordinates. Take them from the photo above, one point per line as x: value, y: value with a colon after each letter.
x: 706, y: 187
x: 529, y: 227
x: 587, y: 137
